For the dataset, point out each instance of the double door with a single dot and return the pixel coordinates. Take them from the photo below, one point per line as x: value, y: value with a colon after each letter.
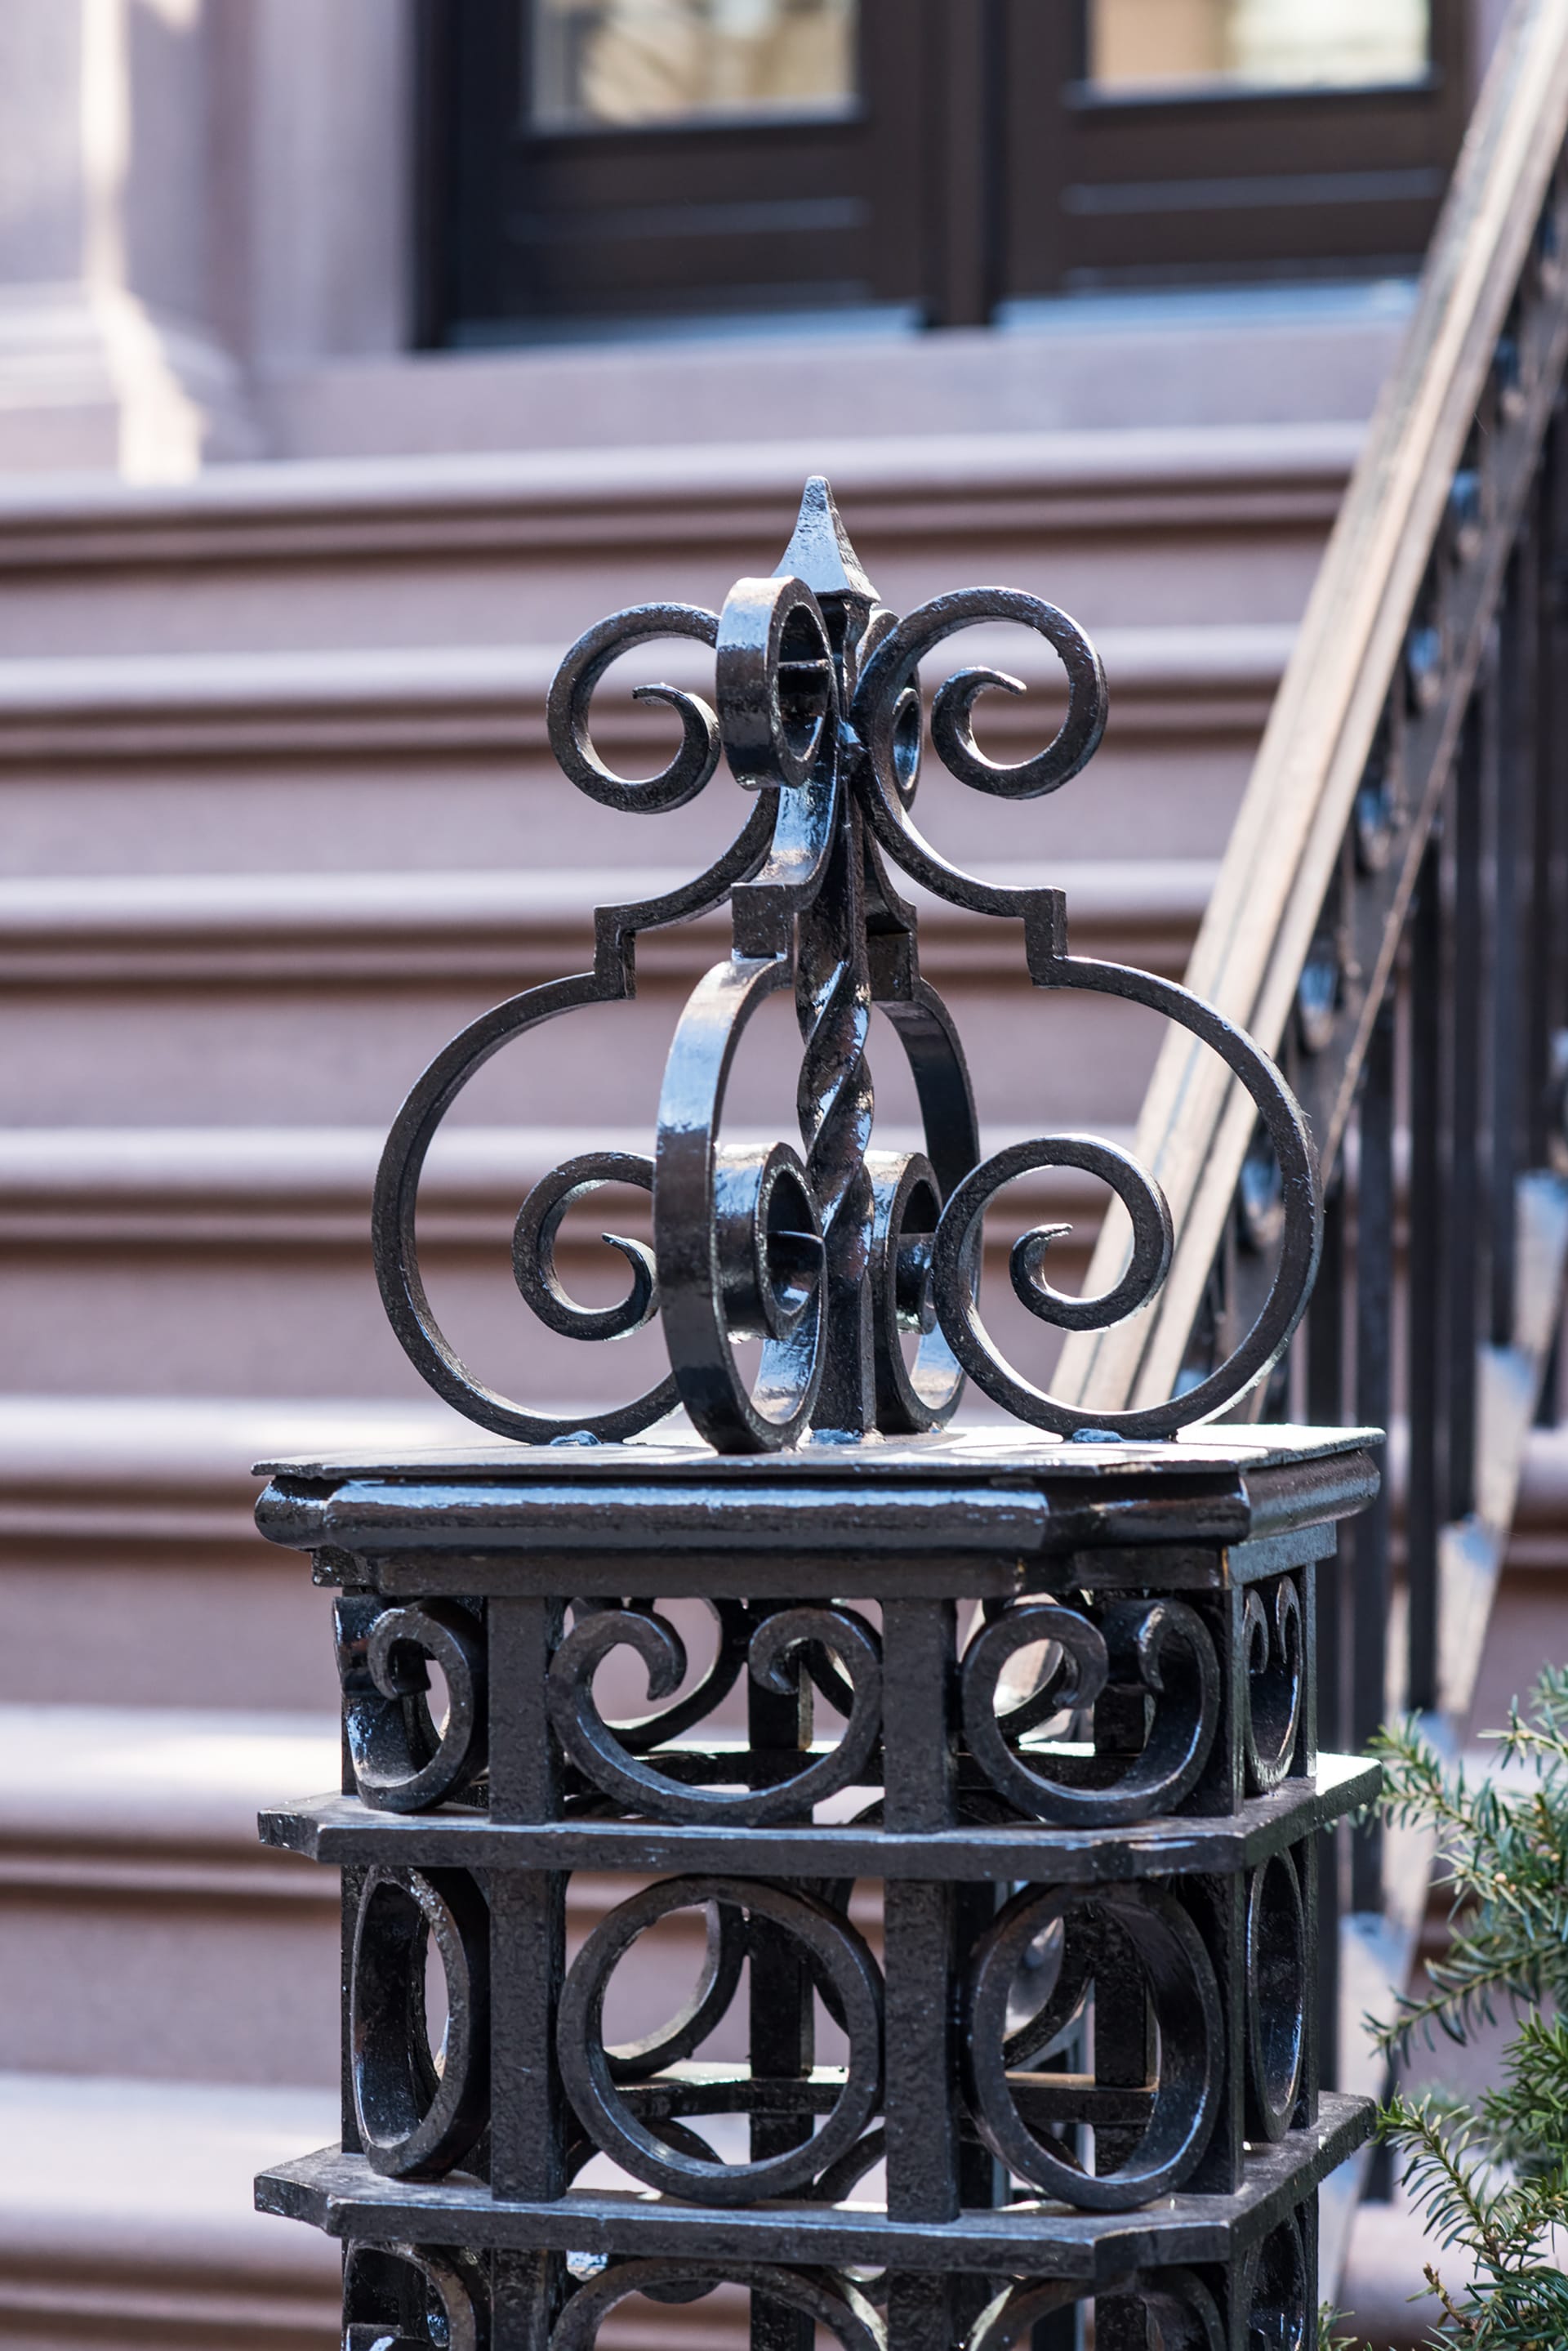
x: 594, y: 164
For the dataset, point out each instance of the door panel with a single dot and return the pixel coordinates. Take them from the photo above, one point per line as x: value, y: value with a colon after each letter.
x: 617, y: 160
x: 1203, y: 180
x: 804, y: 200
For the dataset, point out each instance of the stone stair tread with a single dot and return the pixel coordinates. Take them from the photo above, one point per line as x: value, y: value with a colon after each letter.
x: 1139, y: 654
x: 510, y: 927
x: 198, y: 1448
x: 416, y: 903
x: 178, y: 1779
x: 493, y: 491
x: 231, y: 1163
x: 110, y: 711
x: 103, y: 2174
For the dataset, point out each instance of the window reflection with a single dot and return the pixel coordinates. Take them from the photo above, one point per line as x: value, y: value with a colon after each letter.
x: 1268, y: 44
x: 631, y: 61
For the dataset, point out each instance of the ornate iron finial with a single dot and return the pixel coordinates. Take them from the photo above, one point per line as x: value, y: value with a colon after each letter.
x: 828, y: 1254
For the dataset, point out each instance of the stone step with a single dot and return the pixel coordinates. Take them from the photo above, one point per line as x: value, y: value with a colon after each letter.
x: 1130, y: 360
x: 301, y: 1187
x: 327, y: 761
x: 190, y: 1000
x: 144, y: 1931
x: 127, y: 2223
x: 130, y: 1569
x: 127, y: 2217
x: 504, y: 929
x: 181, y: 1260
x: 1117, y: 526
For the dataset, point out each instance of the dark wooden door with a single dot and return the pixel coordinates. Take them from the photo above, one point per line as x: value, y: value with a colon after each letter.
x: 584, y: 177
x: 1213, y: 176
x: 592, y: 163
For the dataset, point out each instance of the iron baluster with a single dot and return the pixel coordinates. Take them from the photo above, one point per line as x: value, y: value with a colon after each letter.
x: 1507, y: 1046
x: 1368, y: 1539
x: 1467, y: 1223
x: 1425, y: 1389
x: 1339, y: 1621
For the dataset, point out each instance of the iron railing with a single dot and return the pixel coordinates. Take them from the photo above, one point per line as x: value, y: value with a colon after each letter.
x: 1391, y: 920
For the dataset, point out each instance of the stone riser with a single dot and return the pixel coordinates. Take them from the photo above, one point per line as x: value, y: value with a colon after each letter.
x: 172, y: 1987
x: 155, y: 1623
x: 1115, y: 528
x: 236, y: 1292
x: 145, y: 1968
x: 510, y: 927
x: 1164, y: 788
x: 258, y: 1326
x: 1140, y: 574
x: 128, y: 2226
x: 1168, y: 795
x: 217, y: 1058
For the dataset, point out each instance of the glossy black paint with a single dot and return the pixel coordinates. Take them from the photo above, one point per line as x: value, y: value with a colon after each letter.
x: 1077, y: 2062
x: 829, y: 1252
x: 1000, y: 1768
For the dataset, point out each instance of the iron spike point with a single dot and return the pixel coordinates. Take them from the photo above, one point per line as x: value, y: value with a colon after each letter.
x: 821, y: 553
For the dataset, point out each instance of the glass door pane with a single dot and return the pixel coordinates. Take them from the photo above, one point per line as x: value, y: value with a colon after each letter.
x: 623, y: 62
x: 1151, y: 45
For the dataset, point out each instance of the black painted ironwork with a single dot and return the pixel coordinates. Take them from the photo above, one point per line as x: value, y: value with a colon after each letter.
x: 1433, y: 1013
x: 826, y: 1254
x: 1020, y: 1969
x: 981, y: 1787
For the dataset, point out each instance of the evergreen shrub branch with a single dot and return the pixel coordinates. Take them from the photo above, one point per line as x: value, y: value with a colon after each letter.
x: 1492, y: 2180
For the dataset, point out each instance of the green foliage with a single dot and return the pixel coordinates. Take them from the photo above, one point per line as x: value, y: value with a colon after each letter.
x: 1492, y: 2180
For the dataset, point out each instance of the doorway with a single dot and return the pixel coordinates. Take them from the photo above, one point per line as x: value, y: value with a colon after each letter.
x: 595, y: 166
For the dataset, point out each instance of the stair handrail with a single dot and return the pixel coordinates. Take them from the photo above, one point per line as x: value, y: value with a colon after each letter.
x: 1361, y: 635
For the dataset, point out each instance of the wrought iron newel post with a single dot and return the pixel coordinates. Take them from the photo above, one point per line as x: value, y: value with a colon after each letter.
x: 1044, y: 1708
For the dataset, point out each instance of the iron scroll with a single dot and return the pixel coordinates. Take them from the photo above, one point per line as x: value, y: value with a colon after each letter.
x: 827, y: 1252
